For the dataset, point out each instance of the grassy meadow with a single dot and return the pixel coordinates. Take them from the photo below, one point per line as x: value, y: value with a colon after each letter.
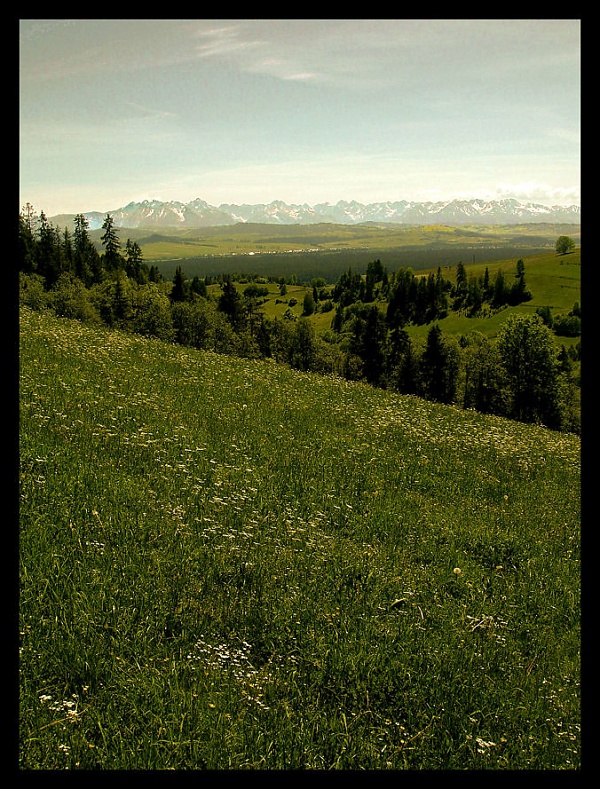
x: 229, y: 564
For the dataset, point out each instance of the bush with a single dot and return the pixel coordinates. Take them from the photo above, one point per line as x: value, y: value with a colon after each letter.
x: 71, y: 299
x: 152, y: 313
x: 567, y: 326
x: 32, y: 293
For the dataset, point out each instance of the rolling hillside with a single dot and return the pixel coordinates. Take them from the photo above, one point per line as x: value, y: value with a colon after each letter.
x: 229, y: 564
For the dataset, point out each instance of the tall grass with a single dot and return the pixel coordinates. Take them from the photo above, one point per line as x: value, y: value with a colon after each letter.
x: 228, y: 564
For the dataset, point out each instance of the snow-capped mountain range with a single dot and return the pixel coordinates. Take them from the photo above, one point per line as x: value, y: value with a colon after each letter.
x: 198, y: 213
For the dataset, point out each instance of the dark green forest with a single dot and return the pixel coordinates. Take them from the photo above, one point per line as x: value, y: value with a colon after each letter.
x: 521, y: 373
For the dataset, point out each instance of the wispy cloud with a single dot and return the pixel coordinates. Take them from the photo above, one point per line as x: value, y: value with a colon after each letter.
x: 224, y: 41
x: 265, y: 48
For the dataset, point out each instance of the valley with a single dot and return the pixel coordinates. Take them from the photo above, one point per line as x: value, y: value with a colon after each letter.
x: 326, y: 250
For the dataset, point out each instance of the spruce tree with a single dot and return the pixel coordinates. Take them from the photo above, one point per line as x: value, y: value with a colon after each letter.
x: 86, y: 264
x: 134, y: 267
x: 48, y: 264
x: 499, y: 291
x: 110, y: 240
x: 303, y: 347
x: 230, y: 303
x: 460, y: 290
x: 27, y: 241
x: 373, y: 344
x: 439, y: 368
x: 178, y: 292
x: 198, y: 286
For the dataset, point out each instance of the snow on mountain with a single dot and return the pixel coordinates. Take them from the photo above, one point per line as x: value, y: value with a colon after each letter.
x: 198, y: 213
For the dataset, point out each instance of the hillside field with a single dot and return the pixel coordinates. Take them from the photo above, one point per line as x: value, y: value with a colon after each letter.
x: 229, y: 564
x: 554, y: 281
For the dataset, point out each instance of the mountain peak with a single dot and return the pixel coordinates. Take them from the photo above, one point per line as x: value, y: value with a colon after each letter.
x: 199, y: 213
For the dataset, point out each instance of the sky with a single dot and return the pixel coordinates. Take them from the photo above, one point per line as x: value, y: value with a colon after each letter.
x: 300, y: 110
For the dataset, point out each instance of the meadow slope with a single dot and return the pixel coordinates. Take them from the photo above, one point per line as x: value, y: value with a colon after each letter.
x: 229, y: 564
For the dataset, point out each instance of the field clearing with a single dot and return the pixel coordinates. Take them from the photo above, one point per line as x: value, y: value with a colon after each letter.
x: 229, y: 564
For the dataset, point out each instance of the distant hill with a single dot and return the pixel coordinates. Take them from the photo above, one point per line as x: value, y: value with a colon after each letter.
x: 198, y: 213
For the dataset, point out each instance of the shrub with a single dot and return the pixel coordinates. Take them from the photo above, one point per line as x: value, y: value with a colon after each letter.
x: 70, y: 299
x: 32, y: 293
x: 567, y: 326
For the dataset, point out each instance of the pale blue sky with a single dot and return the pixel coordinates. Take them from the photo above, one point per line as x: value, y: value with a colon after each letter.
x: 250, y: 111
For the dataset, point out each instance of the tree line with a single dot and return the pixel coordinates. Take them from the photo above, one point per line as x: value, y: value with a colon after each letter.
x: 519, y: 374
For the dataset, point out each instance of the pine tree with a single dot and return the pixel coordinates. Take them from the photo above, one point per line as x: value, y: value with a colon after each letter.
x: 134, y: 266
x: 86, y: 259
x: 178, y: 292
x: 439, y: 368
x: 373, y: 343
x: 48, y: 264
x: 110, y: 240
x: 230, y: 303
x: 460, y: 290
x: 27, y: 242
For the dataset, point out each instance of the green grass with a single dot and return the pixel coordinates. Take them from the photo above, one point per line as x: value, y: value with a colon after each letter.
x: 228, y: 564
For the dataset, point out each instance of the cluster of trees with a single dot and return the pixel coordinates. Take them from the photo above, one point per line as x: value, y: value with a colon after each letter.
x: 50, y: 253
x: 518, y: 375
x: 421, y: 300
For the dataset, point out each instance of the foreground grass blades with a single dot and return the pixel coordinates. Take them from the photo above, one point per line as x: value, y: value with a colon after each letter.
x: 229, y: 564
